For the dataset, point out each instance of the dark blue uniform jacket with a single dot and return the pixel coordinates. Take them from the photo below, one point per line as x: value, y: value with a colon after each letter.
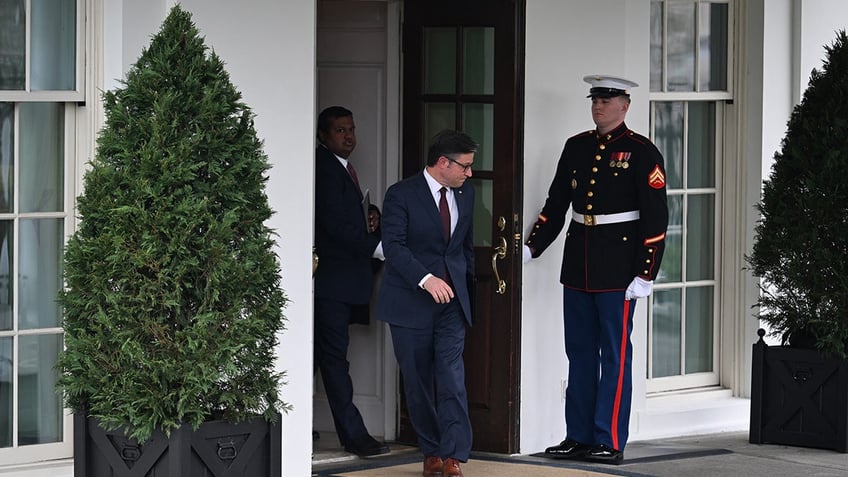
x: 618, y: 172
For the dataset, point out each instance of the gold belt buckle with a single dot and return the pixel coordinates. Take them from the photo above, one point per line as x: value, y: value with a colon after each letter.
x: 589, y: 220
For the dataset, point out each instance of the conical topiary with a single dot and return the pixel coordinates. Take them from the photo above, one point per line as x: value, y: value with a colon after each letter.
x: 173, y: 302
x: 801, y: 240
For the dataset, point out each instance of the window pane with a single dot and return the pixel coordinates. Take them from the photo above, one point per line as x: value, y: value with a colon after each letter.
x: 53, y: 46
x: 665, y: 345
x: 681, y: 46
x: 39, y: 405
x: 6, y: 290
x: 12, y: 45
x: 437, y: 116
x: 41, y: 157
x: 479, y: 123
x: 656, y: 45
x: 478, y: 71
x: 701, y: 160
x: 439, y: 60
x: 40, y: 270
x: 668, y: 137
x: 713, y: 47
x: 700, y: 237
x: 6, y: 392
x: 7, y: 151
x: 699, y: 329
x: 672, y: 263
x: 483, y: 201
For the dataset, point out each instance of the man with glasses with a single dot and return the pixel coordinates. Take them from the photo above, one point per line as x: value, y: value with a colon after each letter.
x: 425, y: 296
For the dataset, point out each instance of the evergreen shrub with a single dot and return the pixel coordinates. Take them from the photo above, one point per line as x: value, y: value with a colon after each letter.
x: 801, y: 243
x: 172, y: 298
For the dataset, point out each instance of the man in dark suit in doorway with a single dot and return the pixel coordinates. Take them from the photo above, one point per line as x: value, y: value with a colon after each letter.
x: 344, y: 279
x: 425, y: 296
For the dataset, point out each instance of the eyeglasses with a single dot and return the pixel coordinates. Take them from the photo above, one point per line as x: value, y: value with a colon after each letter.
x: 465, y: 167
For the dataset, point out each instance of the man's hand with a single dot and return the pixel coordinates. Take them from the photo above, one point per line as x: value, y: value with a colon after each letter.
x: 638, y: 288
x: 438, y: 289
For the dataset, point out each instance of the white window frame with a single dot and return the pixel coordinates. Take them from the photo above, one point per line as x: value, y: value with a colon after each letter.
x: 710, y: 379
x: 701, y: 379
x: 47, y: 96
x: 16, y: 456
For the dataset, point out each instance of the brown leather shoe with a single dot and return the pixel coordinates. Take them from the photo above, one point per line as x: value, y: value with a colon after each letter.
x: 452, y: 468
x: 433, y: 466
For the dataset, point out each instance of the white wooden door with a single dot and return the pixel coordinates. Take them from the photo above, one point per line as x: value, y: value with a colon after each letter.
x: 352, y: 72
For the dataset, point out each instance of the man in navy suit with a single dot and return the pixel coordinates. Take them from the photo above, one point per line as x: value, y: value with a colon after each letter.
x: 344, y: 279
x: 425, y: 296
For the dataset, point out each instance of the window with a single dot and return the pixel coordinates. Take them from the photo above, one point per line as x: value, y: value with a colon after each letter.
x: 41, y: 50
x: 460, y: 95
x: 40, y: 83
x: 689, y: 86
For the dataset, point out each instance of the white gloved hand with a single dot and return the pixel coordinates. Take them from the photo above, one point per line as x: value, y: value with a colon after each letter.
x: 527, y: 254
x: 638, y: 288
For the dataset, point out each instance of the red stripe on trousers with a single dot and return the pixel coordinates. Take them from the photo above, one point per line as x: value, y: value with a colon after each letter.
x: 622, y: 357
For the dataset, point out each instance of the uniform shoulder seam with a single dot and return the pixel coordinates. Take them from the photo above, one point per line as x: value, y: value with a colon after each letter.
x: 636, y: 137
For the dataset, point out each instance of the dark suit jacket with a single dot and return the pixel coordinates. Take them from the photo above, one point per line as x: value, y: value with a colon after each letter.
x: 414, y: 246
x: 342, y: 241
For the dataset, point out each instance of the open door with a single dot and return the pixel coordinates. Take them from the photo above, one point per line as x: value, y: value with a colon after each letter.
x: 462, y: 65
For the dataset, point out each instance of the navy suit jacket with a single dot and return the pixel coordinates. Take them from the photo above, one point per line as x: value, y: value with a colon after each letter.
x: 342, y: 241
x: 414, y: 246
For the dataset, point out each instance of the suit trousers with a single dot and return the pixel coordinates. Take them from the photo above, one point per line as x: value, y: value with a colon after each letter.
x: 332, y: 319
x: 433, y: 355
x: 597, y: 342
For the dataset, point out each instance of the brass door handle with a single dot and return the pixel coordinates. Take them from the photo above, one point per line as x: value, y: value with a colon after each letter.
x: 500, y: 253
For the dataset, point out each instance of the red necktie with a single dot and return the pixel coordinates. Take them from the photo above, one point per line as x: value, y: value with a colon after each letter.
x: 353, y: 176
x: 444, y: 212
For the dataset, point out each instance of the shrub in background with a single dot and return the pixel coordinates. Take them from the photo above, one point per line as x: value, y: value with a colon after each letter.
x: 801, y: 244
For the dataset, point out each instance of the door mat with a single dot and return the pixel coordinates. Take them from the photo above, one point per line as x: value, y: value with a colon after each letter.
x: 658, y: 454
x: 410, y: 466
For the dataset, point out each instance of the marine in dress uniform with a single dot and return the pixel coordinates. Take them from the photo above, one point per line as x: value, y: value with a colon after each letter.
x: 614, y: 181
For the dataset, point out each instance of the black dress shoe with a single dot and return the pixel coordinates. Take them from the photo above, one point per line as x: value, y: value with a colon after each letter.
x: 602, y: 453
x: 567, y: 449
x: 366, y: 447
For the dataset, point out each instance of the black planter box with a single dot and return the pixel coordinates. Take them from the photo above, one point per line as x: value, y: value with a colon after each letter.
x: 798, y: 397
x: 216, y: 449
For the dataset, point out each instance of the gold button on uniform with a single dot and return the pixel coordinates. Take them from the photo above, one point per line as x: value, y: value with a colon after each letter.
x: 592, y: 181
x: 602, y: 147
x: 594, y: 169
x: 589, y: 207
x: 590, y: 194
x: 598, y: 157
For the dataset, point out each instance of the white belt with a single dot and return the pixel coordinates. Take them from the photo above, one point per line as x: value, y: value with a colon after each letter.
x: 604, y: 219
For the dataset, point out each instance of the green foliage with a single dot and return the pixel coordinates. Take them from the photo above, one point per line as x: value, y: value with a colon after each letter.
x: 802, y: 238
x: 173, y: 302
